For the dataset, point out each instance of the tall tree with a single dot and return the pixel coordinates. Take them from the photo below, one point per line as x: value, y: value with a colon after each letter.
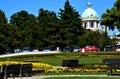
x: 111, y: 18
x: 89, y: 37
x: 3, y: 25
x: 104, y: 39
x: 48, y: 23
x: 117, y: 14
x: 26, y: 24
x: 70, y: 23
x: 108, y: 19
x: 13, y: 37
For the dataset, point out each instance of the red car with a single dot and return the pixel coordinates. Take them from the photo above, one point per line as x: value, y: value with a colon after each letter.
x: 89, y: 49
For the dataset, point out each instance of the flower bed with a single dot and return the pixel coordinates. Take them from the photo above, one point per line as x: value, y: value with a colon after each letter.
x: 46, y: 68
x: 35, y: 65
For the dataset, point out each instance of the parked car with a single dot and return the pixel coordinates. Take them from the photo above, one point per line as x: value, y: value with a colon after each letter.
x: 47, y: 49
x: 35, y: 49
x: 117, y: 47
x: 88, y: 49
x: 100, y: 48
x: 17, y: 50
x: 109, y: 48
x: 76, y: 49
x: 8, y: 51
x: 26, y: 49
x: 66, y: 49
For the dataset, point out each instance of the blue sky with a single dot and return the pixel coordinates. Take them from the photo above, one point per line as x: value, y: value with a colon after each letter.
x: 32, y: 6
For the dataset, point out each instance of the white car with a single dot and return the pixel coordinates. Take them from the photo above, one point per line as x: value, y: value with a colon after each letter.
x: 36, y: 49
x: 76, y: 49
x: 117, y: 47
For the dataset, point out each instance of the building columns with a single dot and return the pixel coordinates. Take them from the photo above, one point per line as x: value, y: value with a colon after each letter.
x: 88, y: 24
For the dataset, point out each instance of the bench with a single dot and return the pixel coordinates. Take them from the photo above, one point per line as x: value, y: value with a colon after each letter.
x: 70, y: 63
x: 16, y: 70
x: 112, y: 64
x: 26, y: 69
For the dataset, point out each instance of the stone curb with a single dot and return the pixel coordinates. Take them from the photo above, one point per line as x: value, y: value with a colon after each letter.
x: 47, y: 76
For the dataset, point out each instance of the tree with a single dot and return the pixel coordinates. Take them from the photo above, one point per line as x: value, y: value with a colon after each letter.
x: 48, y: 23
x: 108, y: 19
x: 70, y: 25
x: 13, y: 37
x: 89, y: 37
x: 111, y: 17
x: 104, y: 39
x: 26, y: 24
x: 3, y: 25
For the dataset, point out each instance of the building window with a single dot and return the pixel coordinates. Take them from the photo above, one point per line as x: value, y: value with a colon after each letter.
x: 85, y: 24
x: 91, y: 25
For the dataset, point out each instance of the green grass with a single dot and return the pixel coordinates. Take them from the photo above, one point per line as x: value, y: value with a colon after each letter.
x: 74, y: 73
x: 79, y: 73
x: 56, y: 59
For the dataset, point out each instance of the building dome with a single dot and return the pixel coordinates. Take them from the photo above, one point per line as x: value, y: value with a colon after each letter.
x: 89, y: 13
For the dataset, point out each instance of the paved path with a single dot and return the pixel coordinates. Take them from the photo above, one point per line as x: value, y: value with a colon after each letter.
x: 47, y: 76
x: 28, y: 53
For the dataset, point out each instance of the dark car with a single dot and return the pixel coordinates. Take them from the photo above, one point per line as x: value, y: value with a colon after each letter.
x: 47, y: 49
x: 67, y: 49
x: 26, y: 49
x: 109, y: 48
x: 8, y: 51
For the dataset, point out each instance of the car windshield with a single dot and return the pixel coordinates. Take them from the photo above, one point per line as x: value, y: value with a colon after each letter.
x: 76, y: 47
x: 67, y: 48
x: 35, y: 48
x: 108, y: 47
x: 46, y: 48
x: 26, y: 49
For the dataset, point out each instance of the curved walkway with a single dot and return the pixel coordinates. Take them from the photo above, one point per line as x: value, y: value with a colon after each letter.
x: 28, y: 53
x: 48, y: 76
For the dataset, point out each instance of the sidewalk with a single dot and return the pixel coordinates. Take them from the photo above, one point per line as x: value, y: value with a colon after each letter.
x: 28, y: 53
x: 46, y: 76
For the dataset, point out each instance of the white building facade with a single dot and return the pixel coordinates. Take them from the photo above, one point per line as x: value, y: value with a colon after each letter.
x: 90, y: 18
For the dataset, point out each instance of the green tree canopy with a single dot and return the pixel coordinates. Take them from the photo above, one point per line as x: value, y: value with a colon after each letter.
x: 3, y: 25
x: 26, y: 24
x: 111, y: 18
x: 70, y: 25
x: 13, y: 37
x: 49, y: 29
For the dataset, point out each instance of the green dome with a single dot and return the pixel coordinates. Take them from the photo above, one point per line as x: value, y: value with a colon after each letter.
x: 89, y: 13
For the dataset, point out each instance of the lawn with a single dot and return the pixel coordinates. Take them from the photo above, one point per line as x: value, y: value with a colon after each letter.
x: 56, y: 59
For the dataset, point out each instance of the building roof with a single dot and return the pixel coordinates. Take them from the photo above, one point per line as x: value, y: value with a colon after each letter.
x: 89, y: 13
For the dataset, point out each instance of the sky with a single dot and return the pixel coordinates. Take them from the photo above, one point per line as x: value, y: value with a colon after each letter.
x: 32, y: 6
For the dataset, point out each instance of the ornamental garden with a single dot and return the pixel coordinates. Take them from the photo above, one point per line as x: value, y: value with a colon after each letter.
x: 52, y: 63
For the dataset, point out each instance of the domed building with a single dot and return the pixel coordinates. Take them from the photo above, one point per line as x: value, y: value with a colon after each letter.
x: 90, y: 18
